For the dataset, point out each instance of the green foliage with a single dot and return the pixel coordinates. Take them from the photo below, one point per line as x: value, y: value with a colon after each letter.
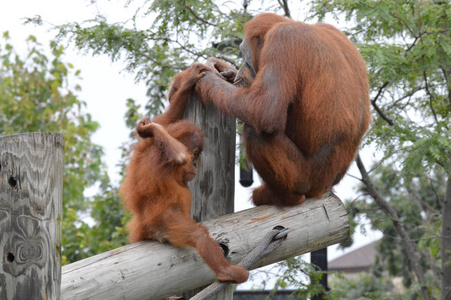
x: 365, y: 286
x: 157, y: 53
x: 146, y: 55
x: 108, y: 231
x: 294, y: 273
x: 419, y: 203
x: 35, y: 96
x: 181, y: 32
x: 406, y: 47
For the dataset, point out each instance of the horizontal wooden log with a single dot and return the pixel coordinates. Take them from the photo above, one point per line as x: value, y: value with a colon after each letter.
x: 150, y: 270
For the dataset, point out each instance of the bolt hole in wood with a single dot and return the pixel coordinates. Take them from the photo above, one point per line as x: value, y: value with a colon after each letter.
x: 225, y: 249
x: 10, y: 257
x: 12, y: 181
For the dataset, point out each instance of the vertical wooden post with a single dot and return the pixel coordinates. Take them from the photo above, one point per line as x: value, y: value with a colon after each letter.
x: 213, y: 188
x: 31, y: 183
x: 319, y: 259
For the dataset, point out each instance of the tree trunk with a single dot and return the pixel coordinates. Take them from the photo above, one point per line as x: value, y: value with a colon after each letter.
x: 412, y: 251
x: 446, y: 244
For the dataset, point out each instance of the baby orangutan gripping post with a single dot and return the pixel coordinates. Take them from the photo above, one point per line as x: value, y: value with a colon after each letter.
x: 155, y: 188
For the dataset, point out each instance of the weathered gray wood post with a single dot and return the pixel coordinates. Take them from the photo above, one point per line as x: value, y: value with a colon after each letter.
x: 31, y: 185
x: 213, y: 188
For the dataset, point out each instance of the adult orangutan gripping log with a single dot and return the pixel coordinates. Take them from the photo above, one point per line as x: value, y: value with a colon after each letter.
x: 304, y: 99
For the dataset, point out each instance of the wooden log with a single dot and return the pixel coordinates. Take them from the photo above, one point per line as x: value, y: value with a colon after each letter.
x: 150, y: 270
x: 31, y: 186
x: 213, y: 189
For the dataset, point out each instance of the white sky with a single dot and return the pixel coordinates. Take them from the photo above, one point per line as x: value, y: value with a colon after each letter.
x: 105, y: 88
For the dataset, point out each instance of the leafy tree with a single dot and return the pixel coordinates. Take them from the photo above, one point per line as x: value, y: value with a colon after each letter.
x: 108, y: 231
x: 157, y: 53
x: 407, y: 194
x: 419, y: 204
x: 35, y: 96
x: 364, y: 286
x: 407, y: 47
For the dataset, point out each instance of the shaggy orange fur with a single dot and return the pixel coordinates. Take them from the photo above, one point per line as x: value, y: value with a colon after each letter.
x: 155, y: 188
x: 304, y: 99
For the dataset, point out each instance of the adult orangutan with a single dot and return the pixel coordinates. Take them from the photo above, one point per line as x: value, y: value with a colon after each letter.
x: 304, y: 99
x: 155, y: 188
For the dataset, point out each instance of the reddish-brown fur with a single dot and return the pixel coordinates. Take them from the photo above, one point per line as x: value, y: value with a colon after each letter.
x: 155, y: 188
x: 304, y: 102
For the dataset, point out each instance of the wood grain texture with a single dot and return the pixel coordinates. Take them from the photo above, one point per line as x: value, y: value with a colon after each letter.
x: 213, y: 189
x: 150, y: 270
x: 31, y: 174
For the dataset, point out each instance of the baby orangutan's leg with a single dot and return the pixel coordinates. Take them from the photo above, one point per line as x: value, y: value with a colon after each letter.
x: 185, y: 232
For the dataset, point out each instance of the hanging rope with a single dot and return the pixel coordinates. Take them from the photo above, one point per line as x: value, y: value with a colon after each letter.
x: 269, y: 243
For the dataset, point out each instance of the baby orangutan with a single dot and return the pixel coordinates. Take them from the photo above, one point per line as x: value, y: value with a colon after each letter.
x: 155, y: 188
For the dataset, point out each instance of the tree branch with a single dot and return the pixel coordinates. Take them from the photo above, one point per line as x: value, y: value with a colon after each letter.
x: 377, y: 108
x: 447, y: 75
x: 412, y: 251
x: 197, y: 54
x: 446, y: 243
x: 353, y: 177
x: 381, y: 113
x: 198, y: 17
x: 433, y: 264
x: 401, y: 20
x: 139, y: 52
x: 430, y: 96
x: 408, y: 95
x: 286, y: 9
